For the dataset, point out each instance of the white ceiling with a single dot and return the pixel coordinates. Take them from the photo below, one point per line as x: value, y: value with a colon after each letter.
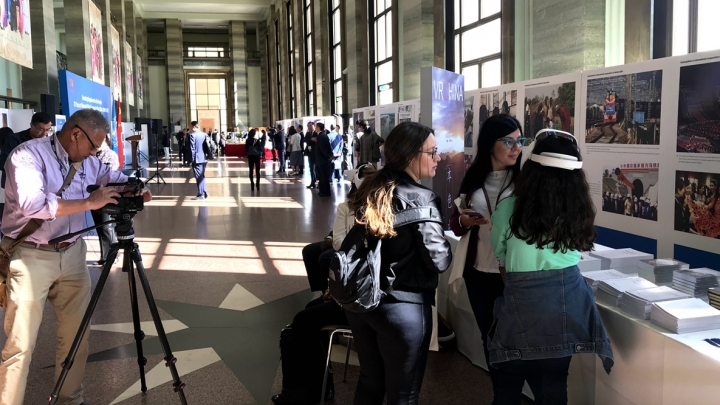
x: 202, y: 12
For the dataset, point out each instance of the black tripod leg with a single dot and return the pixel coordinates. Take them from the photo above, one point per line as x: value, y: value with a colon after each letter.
x: 67, y: 364
x: 139, y: 334
x: 170, y: 359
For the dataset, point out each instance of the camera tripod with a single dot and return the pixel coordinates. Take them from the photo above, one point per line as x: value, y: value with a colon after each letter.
x: 157, y: 176
x: 131, y: 257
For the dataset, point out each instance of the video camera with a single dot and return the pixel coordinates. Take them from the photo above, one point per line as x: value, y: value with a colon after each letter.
x: 125, y: 205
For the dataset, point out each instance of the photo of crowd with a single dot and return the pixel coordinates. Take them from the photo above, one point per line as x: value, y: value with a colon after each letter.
x: 116, y: 65
x: 696, y: 203
x: 96, y: 44
x: 699, y: 109
x: 129, y: 74
x: 551, y: 106
x: 631, y: 190
x: 139, y: 82
x: 15, y: 38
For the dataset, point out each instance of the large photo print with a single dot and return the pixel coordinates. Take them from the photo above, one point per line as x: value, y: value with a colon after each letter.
x: 631, y: 190
x: 96, y: 44
x: 551, y: 106
x: 15, y: 41
x: 696, y: 203
x: 624, y: 109
x: 699, y: 109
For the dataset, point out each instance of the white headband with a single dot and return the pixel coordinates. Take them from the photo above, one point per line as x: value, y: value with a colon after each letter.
x: 558, y: 160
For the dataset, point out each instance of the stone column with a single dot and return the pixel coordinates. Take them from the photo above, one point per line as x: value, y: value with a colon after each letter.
x: 638, y: 30
x: 239, y: 88
x: 117, y: 7
x: 146, y: 74
x: 418, y: 40
x: 131, y: 39
x: 568, y: 36
x: 77, y: 37
x: 321, y: 62
x: 104, y: 6
x: 175, y: 73
x: 287, y: 111
x: 262, y: 33
x: 273, y: 91
x: 141, y: 57
x: 358, y: 70
x: 43, y: 77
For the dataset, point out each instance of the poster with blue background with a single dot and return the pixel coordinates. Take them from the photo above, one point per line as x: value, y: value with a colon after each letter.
x: 77, y: 92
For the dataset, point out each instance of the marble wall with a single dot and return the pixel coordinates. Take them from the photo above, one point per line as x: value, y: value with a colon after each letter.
x: 175, y: 73
x: 238, y: 44
x: 77, y: 37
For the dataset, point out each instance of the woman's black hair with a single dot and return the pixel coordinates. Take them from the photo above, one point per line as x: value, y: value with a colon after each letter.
x: 291, y: 130
x: 553, y: 207
x: 251, y: 134
x: 494, y: 128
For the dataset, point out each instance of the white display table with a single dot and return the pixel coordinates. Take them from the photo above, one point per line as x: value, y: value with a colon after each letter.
x: 652, y: 365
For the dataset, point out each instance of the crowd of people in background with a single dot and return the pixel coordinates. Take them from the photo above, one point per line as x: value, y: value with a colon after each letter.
x: 630, y: 206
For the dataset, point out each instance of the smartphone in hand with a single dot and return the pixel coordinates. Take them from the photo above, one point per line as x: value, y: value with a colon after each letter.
x: 474, y: 214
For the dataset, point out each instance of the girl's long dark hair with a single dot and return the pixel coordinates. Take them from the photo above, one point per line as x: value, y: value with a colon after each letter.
x: 373, y: 201
x: 553, y: 208
x: 494, y: 128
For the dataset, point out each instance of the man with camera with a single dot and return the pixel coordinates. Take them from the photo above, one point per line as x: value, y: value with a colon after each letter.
x: 46, y: 197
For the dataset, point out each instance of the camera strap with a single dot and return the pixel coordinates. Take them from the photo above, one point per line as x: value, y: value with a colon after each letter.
x: 68, y: 178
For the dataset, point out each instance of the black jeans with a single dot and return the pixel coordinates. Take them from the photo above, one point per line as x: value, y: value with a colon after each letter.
x: 324, y: 171
x: 483, y: 289
x: 317, y: 265
x: 254, y: 162
x: 392, y: 343
x: 281, y: 156
x: 547, y: 379
x: 312, y: 168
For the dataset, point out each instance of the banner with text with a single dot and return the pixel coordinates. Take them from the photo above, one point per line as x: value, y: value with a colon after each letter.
x: 78, y: 93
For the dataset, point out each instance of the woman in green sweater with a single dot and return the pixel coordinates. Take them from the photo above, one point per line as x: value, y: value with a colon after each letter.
x: 548, y: 312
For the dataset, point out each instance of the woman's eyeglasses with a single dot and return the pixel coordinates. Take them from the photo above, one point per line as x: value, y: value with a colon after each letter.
x: 511, y: 142
x: 432, y: 153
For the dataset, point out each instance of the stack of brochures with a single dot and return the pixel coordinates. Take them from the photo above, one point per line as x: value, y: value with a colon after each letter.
x: 660, y: 271
x: 610, y: 291
x: 714, y: 297
x: 639, y: 302
x: 695, y: 282
x: 622, y: 260
x: 685, y: 316
x: 594, y: 278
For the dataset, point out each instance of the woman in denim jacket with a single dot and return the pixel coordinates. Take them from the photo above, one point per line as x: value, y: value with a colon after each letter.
x: 547, y: 312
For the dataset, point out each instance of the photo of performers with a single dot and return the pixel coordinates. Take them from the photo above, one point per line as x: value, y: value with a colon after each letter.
x: 696, y: 200
x: 631, y: 190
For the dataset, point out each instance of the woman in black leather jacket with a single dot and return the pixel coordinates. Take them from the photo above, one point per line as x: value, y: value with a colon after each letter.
x: 393, y: 339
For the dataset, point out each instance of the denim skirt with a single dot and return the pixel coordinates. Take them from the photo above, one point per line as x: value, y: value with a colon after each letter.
x: 547, y: 314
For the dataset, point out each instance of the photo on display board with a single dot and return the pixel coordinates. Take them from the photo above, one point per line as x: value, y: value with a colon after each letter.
x: 696, y: 203
x: 96, y: 44
x: 631, y: 190
x: 139, y: 81
x: 129, y: 75
x: 405, y: 113
x: 551, y: 106
x: 387, y: 123
x: 4, y: 120
x: 699, y: 109
x: 469, y: 114
x: 624, y: 109
x: 117, y: 69
x: 15, y: 38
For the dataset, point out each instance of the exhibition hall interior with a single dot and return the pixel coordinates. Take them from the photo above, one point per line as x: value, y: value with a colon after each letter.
x: 303, y: 202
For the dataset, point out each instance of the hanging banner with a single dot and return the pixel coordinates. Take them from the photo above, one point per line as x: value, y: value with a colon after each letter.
x: 15, y: 41
x: 77, y: 92
x: 129, y: 75
x: 96, y: 44
x: 443, y: 105
x: 117, y: 69
x: 139, y: 82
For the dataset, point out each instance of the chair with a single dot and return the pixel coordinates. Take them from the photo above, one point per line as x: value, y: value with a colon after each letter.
x: 333, y: 329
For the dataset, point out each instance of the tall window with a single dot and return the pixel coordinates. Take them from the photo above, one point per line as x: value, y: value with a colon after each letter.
x: 478, y: 43
x: 267, y: 66
x: 277, y: 70
x: 382, y: 32
x: 309, y: 77
x: 336, y: 56
x: 291, y: 49
x: 695, y: 26
x: 208, y: 103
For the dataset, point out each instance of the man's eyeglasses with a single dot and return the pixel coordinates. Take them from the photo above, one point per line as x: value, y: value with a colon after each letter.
x: 43, y: 130
x: 511, y: 142
x: 432, y: 154
x: 95, y: 148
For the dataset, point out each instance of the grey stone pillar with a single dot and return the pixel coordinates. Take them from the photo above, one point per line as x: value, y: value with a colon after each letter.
x: 287, y: 110
x: 238, y: 49
x: 140, y: 66
x: 175, y: 73
x: 77, y: 37
x: 418, y: 40
x: 638, y: 30
x: 43, y: 77
x: 321, y: 62
x: 117, y: 7
x: 104, y: 6
x: 273, y: 90
x: 568, y: 36
x: 262, y: 33
x: 131, y: 39
x: 358, y: 70
x: 145, y: 72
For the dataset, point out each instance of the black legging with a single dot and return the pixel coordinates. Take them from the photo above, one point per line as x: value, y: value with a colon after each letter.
x: 254, y: 161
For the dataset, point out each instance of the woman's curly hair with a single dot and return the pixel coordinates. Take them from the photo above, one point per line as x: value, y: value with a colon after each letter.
x: 553, y: 208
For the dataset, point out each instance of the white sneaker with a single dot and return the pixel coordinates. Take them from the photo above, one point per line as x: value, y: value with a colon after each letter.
x: 199, y: 197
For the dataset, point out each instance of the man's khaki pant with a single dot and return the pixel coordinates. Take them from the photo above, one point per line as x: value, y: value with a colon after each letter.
x: 37, y: 275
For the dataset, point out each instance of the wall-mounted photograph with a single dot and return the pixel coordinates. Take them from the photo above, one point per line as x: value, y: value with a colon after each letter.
x: 696, y: 203
x: 631, y: 190
x: 551, y: 106
x: 699, y: 109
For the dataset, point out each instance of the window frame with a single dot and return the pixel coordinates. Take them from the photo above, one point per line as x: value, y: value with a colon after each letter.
x: 277, y: 71
x: 333, y: 46
x: 309, y: 72
x: 291, y: 49
x: 456, y: 53
x: 374, y: 63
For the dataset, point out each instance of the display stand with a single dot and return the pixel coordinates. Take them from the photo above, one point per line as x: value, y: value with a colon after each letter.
x: 134, y: 142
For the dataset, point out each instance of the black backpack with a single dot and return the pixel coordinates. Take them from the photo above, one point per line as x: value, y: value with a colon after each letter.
x: 355, y: 276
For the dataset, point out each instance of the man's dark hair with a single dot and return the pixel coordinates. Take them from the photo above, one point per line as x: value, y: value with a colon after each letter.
x: 88, y: 119
x: 193, y: 124
x: 321, y: 126
x: 680, y: 184
x: 279, y: 127
x: 40, y: 118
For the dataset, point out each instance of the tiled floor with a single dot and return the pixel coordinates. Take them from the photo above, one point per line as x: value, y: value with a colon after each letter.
x: 227, y: 274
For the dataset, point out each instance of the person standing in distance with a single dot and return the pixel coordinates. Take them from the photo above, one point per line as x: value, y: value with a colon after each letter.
x: 39, y: 271
x: 40, y: 127
x: 324, y: 159
x: 279, y: 141
x: 198, y: 159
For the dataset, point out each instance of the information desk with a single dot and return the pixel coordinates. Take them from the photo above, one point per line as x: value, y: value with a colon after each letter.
x: 235, y: 149
x: 652, y: 365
